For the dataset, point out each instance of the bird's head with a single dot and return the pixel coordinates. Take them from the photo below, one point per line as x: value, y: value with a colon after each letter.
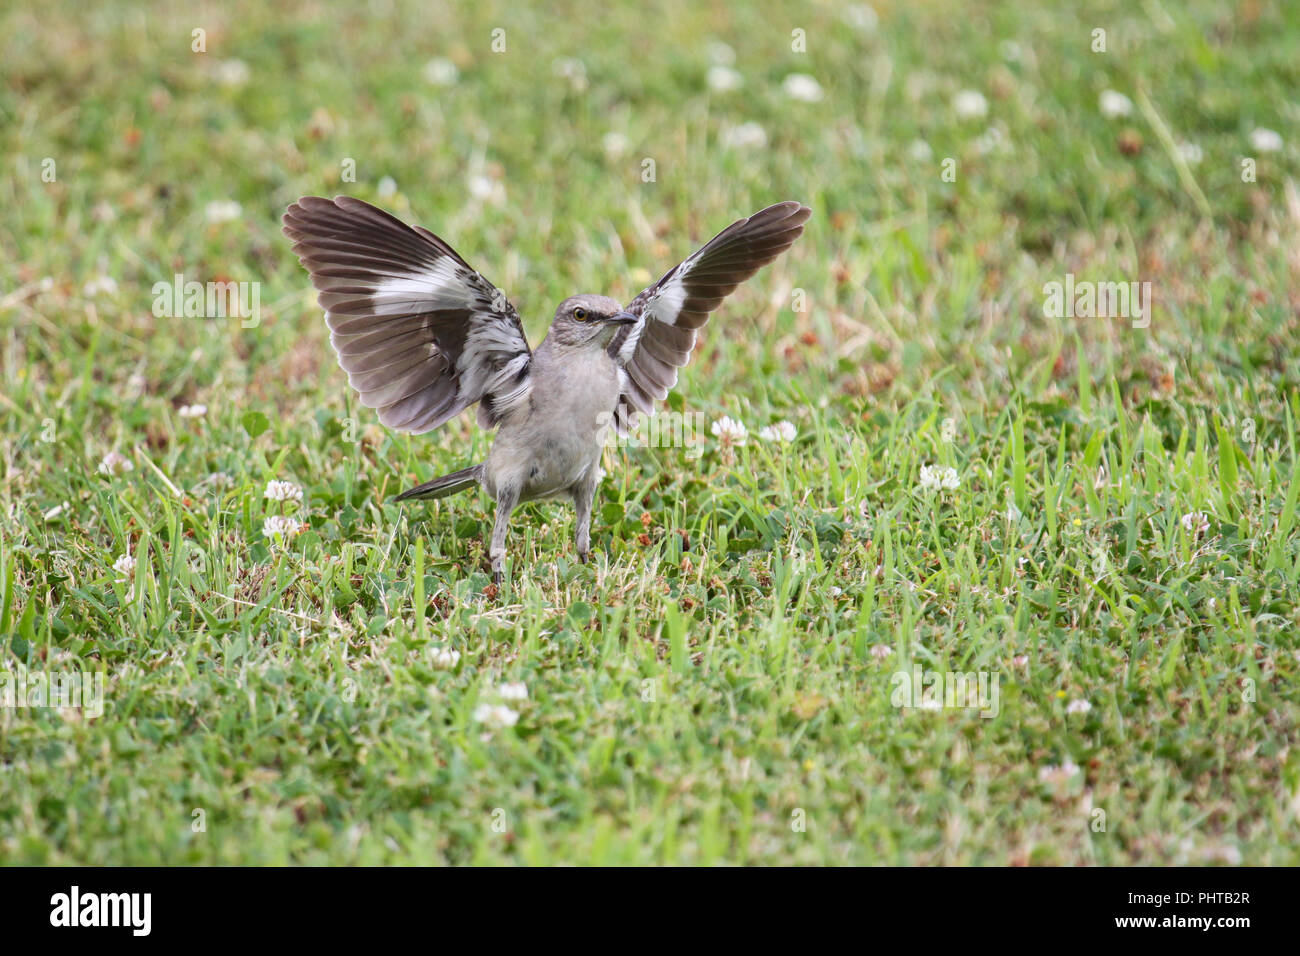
x: 589, y: 320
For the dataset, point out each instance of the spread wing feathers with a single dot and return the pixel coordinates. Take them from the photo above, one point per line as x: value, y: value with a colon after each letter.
x: 421, y: 335
x: 678, y: 305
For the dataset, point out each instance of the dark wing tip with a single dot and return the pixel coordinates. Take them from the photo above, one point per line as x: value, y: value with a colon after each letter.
x: 779, y: 219
x: 788, y: 213
x: 352, y: 202
x: 298, y: 211
x: 308, y: 203
x: 778, y: 210
x: 790, y: 206
x: 774, y: 228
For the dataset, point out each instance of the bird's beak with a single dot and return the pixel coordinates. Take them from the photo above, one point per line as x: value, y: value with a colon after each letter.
x: 623, y: 318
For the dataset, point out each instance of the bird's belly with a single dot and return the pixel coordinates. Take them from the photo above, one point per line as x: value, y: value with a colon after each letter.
x: 547, y: 451
x: 559, y: 462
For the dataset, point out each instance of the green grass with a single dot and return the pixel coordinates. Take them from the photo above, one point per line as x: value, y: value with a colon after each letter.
x: 719, y: 675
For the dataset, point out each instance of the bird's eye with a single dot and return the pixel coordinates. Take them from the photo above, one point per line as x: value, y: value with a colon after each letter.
x: 580, y: 315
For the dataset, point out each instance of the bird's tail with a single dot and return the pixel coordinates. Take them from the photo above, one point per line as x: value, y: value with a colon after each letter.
x: 446, y: 485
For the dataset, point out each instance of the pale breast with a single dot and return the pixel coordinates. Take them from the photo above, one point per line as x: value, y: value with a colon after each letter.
x: 549, y: 450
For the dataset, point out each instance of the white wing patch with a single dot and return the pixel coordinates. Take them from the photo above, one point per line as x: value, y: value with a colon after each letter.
x: 628, y: 348
x: 438, y: 288
x: 490, y: 339
x: 666, y: 304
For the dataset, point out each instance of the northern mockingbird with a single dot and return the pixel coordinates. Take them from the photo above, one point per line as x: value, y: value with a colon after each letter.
x: 423, y: 336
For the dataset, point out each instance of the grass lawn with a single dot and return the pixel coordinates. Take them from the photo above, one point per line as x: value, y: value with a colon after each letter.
x: 1115, y: 552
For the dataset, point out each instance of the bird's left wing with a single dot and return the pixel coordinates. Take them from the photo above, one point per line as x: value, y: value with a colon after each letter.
x: 673, y: 309
x: 421, y: 335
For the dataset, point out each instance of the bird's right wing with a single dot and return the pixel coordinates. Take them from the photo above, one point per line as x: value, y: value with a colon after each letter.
x: 673, y: 309
x: 421, y: 335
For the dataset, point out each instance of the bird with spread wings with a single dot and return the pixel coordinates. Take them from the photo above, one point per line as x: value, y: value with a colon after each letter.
x: 422, y: 336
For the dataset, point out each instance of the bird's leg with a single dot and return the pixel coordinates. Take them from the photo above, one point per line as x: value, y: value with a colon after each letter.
x: 583, y: 495
x: 507, y: 498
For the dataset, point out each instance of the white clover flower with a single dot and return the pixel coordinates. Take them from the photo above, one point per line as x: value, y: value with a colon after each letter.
x: 192, y: 411
x: 115, y: 464
x: 780, y: 432
x: 1190, y: 153
x: 386, y: 188
x: 719, y: 52
x: 232, y: 72
x: 1020, y: 660
x: 445, y: 658
x: 802, y: 87
x: 495, y: 716
x: 218, y: 480
x: 729, y: 431
x: 1055, y: 774
x: 970, y: 104
x: 124, y: 565
x: 1197, y: 522
x: 100, y: 285
x: 938, y: 477
x: 990, y: 141
x: 1114, y: 104
x: 745, y: 136
x: 1222, y: 854
x: 881, y: 651
x: 222, y: 210
x: 516, y: 691
x: 723, y: 79
x: 615, y: 144
x: 575, y: 71
x: 861, y: 17
x: 441, y: 72
x: 1080, y: 706
x: 282, y: 491
x: 919, y: 151
x: 1265, y: 140
x: 279, y: 526
x: 488, y: 190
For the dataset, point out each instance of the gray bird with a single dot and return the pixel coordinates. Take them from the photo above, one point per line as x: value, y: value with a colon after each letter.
x: 422, y: 336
